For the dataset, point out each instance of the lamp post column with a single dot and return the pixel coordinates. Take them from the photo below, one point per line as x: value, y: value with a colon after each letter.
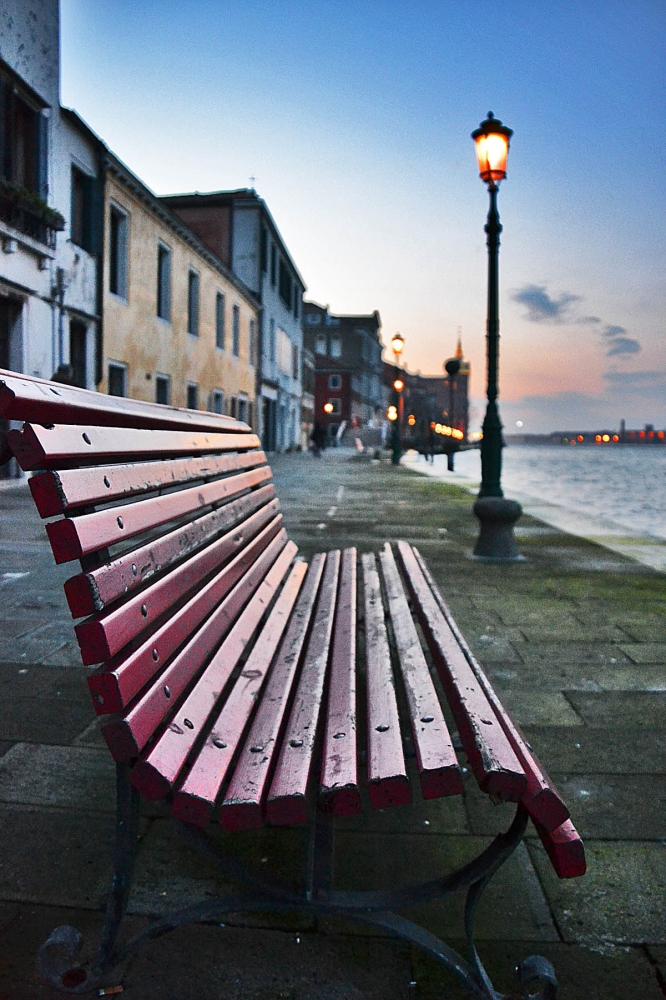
x: 491, y: 443
x: 496, y: 515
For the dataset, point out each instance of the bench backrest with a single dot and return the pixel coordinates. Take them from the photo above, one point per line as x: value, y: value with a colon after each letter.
x: 173, y: 516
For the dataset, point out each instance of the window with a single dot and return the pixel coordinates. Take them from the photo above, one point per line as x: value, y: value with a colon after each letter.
x: 253, y: 342
x: 294, y: 361
x: 192, y: 396
x: 297, y: 299
x: 219, y: 321
x: 235, y: 330
x: 320, y: 344
x: 163, y: 282
x: 241, y: 412
x: 23, y: 163
x: 117, y: 379
x: 232, y: 407
x: 273, y: 264
x: 264, y: 249
x: 78, y: 353
x: 285, y: 284
x: 250, y: 414
x: 81, y: 209
x: 118, y: 227
x: 336, y: 347
x: 193, y: 306
x: 162, y: 389
x: 271, y: 346
x: 334, y: 382
x: 336, y: 404
x: 284, y: 352
x: 217, y: 402
x: 313, y: 319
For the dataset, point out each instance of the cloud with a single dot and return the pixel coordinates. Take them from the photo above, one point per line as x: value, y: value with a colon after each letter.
x: 613, y: 331
x: 638, y: 380
x: 618, y: 343
x: 623, y: 345
x: 540, y: 306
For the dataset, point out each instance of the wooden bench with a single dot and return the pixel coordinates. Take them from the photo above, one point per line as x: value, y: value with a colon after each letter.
x: 228, y: 677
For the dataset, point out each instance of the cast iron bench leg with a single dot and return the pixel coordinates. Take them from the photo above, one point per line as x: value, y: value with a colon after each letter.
x: 57, y: 958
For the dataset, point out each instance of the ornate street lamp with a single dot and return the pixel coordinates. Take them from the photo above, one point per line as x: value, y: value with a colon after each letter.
x: 496, y: 515
x: 397, y: 346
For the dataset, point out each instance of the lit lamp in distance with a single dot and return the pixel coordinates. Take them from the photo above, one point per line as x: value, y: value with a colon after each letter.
x: 393, y: 414
x: 496, y: 515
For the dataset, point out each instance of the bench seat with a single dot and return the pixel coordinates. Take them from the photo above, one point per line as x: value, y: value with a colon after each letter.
x: 233, y: 680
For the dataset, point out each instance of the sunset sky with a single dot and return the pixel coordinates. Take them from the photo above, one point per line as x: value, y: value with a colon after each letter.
x: 354, y: 118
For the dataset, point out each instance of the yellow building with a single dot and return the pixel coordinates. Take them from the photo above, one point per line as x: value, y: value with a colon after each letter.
x: 178, y: 326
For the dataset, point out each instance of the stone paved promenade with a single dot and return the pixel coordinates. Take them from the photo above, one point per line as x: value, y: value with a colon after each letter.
x: 574, y: 639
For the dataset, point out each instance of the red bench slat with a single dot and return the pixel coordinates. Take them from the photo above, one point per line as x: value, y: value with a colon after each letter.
x: 564, y: 848
x: 287, y: 802
x: 439, y: 772
x: 106, y: 634
x: 491, y: 756
x: 158, y: 771
x: 24, y: 397
x: 127, y: 736
x: 541, y: 798
x: 74, y: 537
x: 48, y: 447
x: 115, y: 684
x: 339, y: 778
x: 55, y: 492
x: 388, y: 783
x: 96, y: 589
x: 195, y: 799
x: 242, y: 806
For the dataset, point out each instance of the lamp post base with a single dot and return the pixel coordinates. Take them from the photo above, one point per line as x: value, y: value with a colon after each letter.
x: 496, y: 540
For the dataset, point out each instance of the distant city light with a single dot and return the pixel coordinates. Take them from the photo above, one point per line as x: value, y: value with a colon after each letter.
x: 519, y: 423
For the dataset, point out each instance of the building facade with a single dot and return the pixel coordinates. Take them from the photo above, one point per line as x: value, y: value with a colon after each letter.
x: 348, y: 367
x: 49, y: 255
x: 179, y: 326
x: 238, y: 227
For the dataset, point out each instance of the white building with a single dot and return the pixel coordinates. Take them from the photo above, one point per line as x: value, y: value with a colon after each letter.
x: 50, y: 197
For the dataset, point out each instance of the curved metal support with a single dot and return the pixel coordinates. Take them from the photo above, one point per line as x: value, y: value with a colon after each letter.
x: 57, y: 957
x: 486, y: 863
x: 506, y: 844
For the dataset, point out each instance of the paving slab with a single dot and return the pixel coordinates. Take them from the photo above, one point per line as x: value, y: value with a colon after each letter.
x: 540, y: 708
x: 620, y: 899
x: 616, y: 807
x: 645, y: 652
x: 577, y: 677
x: 43, y: 720
x: 631, y: 708
x: 55, y: 856
x: 66, y: 777
x: 593, y: 749
x: 608, y: 973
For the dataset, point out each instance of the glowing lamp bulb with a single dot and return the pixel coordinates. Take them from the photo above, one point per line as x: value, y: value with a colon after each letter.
x: 328, y: 407
x: 397, y: 344
x: 491, y: 141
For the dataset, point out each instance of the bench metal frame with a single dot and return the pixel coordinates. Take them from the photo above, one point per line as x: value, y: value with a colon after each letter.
x: 57, y: 958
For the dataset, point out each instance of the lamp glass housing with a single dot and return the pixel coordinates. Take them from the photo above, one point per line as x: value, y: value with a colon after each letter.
x: 397, y: 344
x: 491, y: 141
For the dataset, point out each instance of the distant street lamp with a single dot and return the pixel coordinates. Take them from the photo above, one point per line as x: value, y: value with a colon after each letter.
x: 452, y: 367
x: 496, y: 515
x: 397, y: 346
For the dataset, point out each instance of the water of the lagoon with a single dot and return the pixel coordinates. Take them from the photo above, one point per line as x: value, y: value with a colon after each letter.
x: 623, y: 483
